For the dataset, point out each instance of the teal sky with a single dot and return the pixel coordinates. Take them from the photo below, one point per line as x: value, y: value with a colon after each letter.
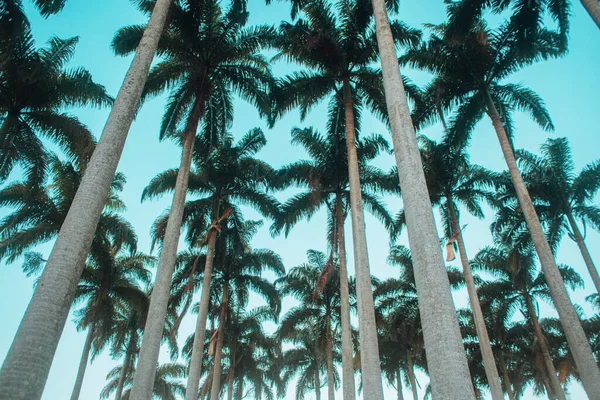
x: 570, y: 87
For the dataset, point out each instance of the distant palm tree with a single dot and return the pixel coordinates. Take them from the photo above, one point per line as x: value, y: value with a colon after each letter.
x: 226, y: 175
x: 167, y: 383
x: 519, y: 287
x: 339, y: 48
x: 109, y: 282
x: 559, y: 195
x: 474, y: 89
x: 325, y: 180
x: 399, y: 319
x: 453, y: 180
x: 36, y: 90
x: 198, y: 70
x: 27, y: 364
x: 38, y: 214
x: 318, y: 311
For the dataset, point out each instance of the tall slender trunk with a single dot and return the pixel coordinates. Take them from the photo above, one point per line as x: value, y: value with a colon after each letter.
x: 411, y: 375
x: 83, y: 363
x: 231, y: 373
x: 240, y: 390
x: 541, y: 339
x: 330, y: 378
x: 489, y: 363
x: 27, y: 364
x: 506, y: 379
x: 143, y: 380
x: 216, y: 384
x: 317, y: 383
x: 578, y: 342
x: 399, y: 384
x: 126, y: 365
x: 446, y: 359
x: 369, y: 349
x: 587, y: 258
x: 348, y: 387
x: 593, y: 8
x: 193, y: 381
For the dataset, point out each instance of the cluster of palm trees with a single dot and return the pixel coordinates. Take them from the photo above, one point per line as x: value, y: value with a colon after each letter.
x: 349, y: 53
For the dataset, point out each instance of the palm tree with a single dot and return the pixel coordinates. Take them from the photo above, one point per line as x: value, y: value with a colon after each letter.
x: 400, y: 322
x: 528, y: 18
x: 226, y: 174
x: 27, y: 364
x: 478, y: 90
x: 109, y: 281
x: 519, y: 287
x: 325, y: 178
x: 36, y: 88
x: 198, y: 69
x: 239, y: 272
x: 167, y: 383
x: 451, y: 179
x: 447, y: 361
x: 303, y: 362
x: 37, y: 215
x: 127, y: 332
x: 318, y: 311
x: 561, y: 196
x: 339, y: 52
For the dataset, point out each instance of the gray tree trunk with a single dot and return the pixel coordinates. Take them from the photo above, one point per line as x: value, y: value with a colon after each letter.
x: 506, y: 379
x: 578, y: 342
x: 83, y: 363
x: 411, y: 375
x: 143, y: 379
x: 330, y: 378
x: 317, y: 384
x: 446, y: 359
x: 593, y: 8
x: 216, y: 383
x: 489, y: 363
x: 348, y: 387
x: 193, y: 382
x: 556, y: 389
x: 231, y: 373
x: 27, y: 364
x: 369, y: 348
x: 587, y: 258
x: 399, y: 385
x: 126, y: 365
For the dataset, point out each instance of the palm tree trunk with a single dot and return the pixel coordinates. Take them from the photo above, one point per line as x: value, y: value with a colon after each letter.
x: 216, y: 384
x: 231, y: 374
x: 411, y: 375
x: 369, y: 349
x: 587, y: 258
x: 593, y: 8
x: 578, y: 343
x: 126, y: 365
x: 446, y: 359
x: 317, y: 383
x: 348, y: 388
x: 193, y: 381
x: 541, y: 339
x: 83, y: 363
x: 506, y: 379
x: 143, y: 380
x: 27, y: 364
x: 330, y: 378
x: 399, y: 384
x: 240, y: 390
x: 489, y: 363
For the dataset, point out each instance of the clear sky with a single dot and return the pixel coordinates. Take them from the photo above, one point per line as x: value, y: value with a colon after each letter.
x: 570, y: 87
